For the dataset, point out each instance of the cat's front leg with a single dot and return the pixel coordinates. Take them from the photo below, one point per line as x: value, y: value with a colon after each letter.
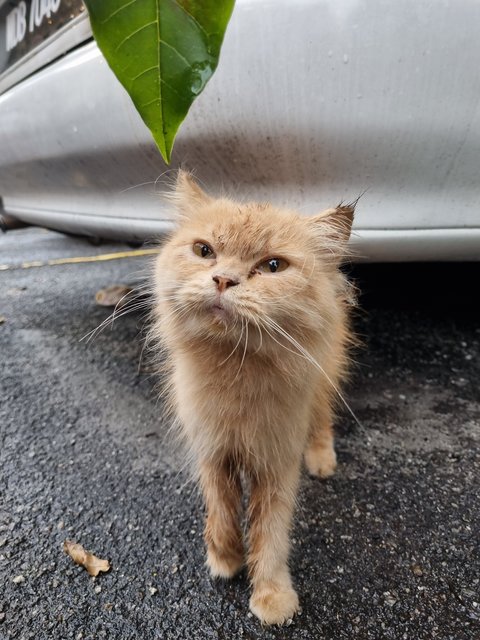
x: 272, y: 502
x: 222, y: 492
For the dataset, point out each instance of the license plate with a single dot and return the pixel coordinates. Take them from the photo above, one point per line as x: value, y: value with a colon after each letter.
x: 27, y: 24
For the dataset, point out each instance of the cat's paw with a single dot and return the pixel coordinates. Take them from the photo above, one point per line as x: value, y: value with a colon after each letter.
x: 321, y: 461
x: 274, y: 606
x: 223, y: 566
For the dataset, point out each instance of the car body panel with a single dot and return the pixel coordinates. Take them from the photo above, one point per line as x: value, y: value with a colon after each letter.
x: 313, y: 102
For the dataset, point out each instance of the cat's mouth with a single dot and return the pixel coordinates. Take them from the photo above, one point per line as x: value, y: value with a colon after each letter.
x: 220, y: 312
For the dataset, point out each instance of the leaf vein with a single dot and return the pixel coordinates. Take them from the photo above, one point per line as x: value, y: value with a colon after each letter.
x: 114, y: 13
x: 175, y: 50
x: 162, y: 106
x: 147, y: 104
x: 193, y: 18
x: 130, y: 35
x: 154, y: 68
x: 170, y: 87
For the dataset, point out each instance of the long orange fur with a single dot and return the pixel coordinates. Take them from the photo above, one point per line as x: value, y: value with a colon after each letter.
x: 255, y: 361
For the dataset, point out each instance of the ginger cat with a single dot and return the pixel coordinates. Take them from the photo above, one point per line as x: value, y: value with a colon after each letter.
x: 251, y: 313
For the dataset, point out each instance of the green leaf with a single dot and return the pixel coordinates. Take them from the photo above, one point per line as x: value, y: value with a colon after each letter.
x: 163, y: 52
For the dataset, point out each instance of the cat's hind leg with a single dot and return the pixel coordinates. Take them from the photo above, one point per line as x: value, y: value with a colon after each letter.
x: 320, y: 456
x: 222, y: 492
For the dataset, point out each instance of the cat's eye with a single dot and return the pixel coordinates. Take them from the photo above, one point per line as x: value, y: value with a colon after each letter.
x: 203, y: 250
x: 272, y: 265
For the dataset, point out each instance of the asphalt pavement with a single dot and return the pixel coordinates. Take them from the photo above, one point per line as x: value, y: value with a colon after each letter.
x: 386, y: 549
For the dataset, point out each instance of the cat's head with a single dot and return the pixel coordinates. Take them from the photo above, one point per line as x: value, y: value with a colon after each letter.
x: 229, y: 264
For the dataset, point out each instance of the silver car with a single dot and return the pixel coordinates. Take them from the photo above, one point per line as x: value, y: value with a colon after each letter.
x: 313, y: 102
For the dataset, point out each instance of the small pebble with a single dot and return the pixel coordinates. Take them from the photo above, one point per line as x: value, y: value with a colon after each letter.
x: 18, y: 579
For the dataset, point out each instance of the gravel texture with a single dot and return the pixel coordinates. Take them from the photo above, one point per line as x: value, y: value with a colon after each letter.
x: 386, y: 549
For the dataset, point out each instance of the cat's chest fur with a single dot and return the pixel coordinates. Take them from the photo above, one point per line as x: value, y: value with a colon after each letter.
x: 245, y: 404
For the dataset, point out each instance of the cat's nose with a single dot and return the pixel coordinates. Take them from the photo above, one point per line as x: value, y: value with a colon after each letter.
x: 224, y: 282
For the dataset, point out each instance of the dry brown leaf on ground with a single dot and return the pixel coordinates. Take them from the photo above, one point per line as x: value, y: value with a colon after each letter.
x: 116, y: 294
x: 86, y: 559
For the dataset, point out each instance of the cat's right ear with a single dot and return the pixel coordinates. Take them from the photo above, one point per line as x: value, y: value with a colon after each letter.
x: 335, y: 223
x: 187, y: 196
x: 332, y: 229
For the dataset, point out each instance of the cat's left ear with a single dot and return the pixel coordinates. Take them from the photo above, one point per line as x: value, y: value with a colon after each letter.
x: 188, y: 196
x: 333, y: 227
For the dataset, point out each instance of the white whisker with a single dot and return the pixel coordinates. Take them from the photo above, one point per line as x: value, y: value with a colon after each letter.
x: 235, y: 347
x: 311, y: 359
x: 110, y: 320
x: 244, y: 352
